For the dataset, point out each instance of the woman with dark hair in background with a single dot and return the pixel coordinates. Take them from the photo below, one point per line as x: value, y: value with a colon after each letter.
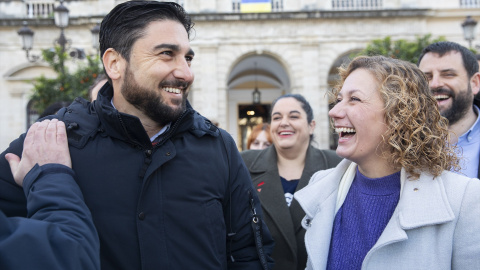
x: 280, y: 170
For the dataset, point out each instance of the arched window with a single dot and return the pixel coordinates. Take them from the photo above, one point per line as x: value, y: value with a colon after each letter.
x: 277, y: 5
x: 32, y: 114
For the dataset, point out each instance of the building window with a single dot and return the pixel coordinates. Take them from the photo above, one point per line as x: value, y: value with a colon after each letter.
x: 32, y: 114
x: 357, y: 4
x: 470, y: 3
x: 236, y: 5
x: 277, y: 5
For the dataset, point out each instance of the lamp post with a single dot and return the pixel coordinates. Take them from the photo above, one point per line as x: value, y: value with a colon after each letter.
x: 256, y: 95
x: 468, y: 27
x: 61, y: 21
x: 95, y: 37
x: 27, y: 41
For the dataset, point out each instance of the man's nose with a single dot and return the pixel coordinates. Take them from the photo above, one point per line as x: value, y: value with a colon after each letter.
x: 183, y: 71
x: 435, y: 82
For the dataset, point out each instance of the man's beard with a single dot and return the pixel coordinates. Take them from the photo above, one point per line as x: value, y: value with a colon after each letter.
x: 461, y: 104
x: 150, y: 102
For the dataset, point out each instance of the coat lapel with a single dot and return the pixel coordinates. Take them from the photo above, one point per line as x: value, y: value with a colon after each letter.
x: 318, y: 200
x: 423, y: 202
x: 266, y: 180
x: 314, y: 162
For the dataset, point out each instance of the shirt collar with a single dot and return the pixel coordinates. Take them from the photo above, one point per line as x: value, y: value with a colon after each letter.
x: 474, y: 129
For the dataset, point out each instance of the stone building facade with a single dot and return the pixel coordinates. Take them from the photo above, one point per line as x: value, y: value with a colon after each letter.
x: 292, y: 49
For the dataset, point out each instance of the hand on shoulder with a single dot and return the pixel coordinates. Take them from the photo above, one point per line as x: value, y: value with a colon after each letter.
x: 46, y: 142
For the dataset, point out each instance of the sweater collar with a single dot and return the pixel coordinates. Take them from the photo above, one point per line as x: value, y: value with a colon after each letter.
x: 422, y: 202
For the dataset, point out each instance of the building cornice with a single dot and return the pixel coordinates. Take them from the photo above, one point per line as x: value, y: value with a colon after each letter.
x: 303, y: 15
x: 18, y: 22
x: 273, y: 16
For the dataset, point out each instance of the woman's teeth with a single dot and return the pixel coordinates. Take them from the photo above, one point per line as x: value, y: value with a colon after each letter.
x: 345, y: 130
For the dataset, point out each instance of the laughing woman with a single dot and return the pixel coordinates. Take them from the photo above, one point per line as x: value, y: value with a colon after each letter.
x: 279, y: 170
x: 392, y: 202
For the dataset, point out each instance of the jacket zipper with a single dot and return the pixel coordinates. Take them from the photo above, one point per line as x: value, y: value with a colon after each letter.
x: 148, y: 152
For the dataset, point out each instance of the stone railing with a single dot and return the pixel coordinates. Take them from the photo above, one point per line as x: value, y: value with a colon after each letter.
x: 470, y: 3
x: 356, y: 4
x: 39, y: 9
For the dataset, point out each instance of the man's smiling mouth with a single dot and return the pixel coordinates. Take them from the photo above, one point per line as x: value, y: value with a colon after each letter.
x: 172, y: 90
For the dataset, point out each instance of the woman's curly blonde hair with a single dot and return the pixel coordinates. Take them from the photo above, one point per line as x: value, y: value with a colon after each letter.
x: 417, y: 135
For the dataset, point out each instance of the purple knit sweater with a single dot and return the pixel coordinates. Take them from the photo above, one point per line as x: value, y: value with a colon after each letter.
x: 360, y: 221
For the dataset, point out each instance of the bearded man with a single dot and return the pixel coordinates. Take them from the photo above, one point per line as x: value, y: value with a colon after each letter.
x: 166, y: 188
x: 452, y: 72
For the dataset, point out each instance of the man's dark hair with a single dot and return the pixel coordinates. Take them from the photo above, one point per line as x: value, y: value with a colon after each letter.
x: 441, y: 48
x: 126, y: 23
x: 53, y: 108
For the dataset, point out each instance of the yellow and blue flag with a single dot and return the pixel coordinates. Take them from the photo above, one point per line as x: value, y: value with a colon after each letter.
x: 255, y: 6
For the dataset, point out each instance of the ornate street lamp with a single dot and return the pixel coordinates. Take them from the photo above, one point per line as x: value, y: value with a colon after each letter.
x: 468, y: 27
x: 61, y: 21
x: 27, y: 41
x: 95, y: 37
x: 256, y: 95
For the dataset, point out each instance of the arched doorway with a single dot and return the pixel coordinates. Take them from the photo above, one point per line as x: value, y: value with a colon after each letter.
x: 255, y: 72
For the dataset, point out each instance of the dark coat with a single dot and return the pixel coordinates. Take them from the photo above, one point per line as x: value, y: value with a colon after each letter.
x: 168, y: 206
x: 284, y: 222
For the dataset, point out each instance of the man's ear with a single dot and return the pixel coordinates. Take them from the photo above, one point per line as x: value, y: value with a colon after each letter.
x: 475, y: 83
x: 113, y: 63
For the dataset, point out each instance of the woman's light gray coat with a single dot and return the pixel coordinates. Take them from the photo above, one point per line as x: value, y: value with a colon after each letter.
x: 436, y: 224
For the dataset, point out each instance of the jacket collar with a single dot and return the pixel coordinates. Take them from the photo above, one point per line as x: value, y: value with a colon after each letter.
x: 263, y: 167
x: 128, y: 127
x: 423, y: 202
x: 265, y: 161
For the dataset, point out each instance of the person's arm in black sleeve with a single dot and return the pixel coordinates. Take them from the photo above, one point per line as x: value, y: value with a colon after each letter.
x: 241, y: 248
x: 59, y: 232
x: 12, y: 197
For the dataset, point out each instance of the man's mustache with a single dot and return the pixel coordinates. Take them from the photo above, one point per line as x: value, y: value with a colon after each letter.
x: 175, y: 84
x: 442, y: 91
